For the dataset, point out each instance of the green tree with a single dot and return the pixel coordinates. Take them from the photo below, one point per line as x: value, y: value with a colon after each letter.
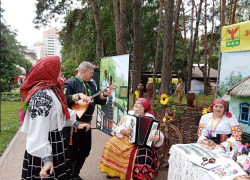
x: 68, y: 68
x: 11, y: 56
x: 232, y: 79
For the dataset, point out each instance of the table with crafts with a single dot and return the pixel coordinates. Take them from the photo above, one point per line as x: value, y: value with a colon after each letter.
x: 185, y: 164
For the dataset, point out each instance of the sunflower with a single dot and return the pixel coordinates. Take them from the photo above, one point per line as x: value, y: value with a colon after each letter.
x: 136, y: 94
x: 164, y: 99
x: 164, y: 119
x: 206, y: 110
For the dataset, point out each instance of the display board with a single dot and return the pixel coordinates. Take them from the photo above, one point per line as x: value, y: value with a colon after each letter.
x: 235, y: 49
x: 236, y: 37
x: 113, y: 70
x: 235, y: 68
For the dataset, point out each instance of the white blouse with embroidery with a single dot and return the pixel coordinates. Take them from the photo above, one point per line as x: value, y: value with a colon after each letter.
x: 224, y: 127
x: 126, y: 124
x: 44, y: 114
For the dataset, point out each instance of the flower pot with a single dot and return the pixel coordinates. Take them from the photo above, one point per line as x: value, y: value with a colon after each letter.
x: 149, y: 88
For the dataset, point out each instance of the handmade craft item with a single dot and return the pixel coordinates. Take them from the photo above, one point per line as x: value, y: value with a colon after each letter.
x: 209, y: 153
x: 179, y: 89
x: 204, y: 159
x: 197, y: 152
x: 211, y: 160
x: 207, y: 143
x: 240, y: 147
x: 190, y: 98
x: 186, y: 151
x: 149, y: 87
x: 246, y: 165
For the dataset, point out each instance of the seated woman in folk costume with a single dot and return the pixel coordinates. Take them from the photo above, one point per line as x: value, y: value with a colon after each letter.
x: 123, y: 159
x: 224, y: 127
x: 44, y: 115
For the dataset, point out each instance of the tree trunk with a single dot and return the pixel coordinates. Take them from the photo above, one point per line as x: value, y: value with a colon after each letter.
x: 190, y: 66
x: 137, y: 45
x: 165, y: 7
x: 230, y: 13
x: 184, y: 40
x: 223, y: 4
x: 99, y: 42
x: 123, y: 26
x: 166, y: 72
x: 173, y: 44
x: 211, y: 43
x: 157, y: 47
x: 199, y: 57
x: 233, y: 14
x: 117, y: 26
x: 205, y: 52
x: 193, y: 46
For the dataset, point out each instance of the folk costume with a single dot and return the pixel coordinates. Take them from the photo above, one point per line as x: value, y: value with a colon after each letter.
x: 80, y: 146
x: 108, y: 121
x: 105, y: 84
x: 222, y: 128
x: 44, y: 115
x: 125, y: 160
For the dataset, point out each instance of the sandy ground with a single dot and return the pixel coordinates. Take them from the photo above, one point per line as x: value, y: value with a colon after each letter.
x: 11, y: 167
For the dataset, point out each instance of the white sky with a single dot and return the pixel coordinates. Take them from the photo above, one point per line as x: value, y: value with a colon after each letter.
x: 19, y: 14
x: 122, y: 65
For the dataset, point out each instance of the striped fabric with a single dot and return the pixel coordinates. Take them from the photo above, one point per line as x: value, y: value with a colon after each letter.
x: 108, y: 122
x: 32, y: 165
x: 116, y: 157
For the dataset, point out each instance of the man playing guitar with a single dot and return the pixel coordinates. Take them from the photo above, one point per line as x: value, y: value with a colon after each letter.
x: 79, y: 90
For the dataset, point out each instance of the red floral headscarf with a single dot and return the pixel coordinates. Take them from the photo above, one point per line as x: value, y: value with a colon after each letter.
x: 146, y: 105
x: 220, y: 101
x: 43, y: 75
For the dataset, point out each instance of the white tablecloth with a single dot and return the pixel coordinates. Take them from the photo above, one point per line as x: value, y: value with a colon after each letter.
x: 180, y: 167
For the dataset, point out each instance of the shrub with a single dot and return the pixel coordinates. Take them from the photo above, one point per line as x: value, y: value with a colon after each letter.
x: 10, y: 96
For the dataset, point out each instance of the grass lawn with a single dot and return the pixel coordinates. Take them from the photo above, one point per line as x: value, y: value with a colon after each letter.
x: 10, y: 122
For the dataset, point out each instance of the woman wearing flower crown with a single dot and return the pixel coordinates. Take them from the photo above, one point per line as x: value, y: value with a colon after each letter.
x: 221, y: 124
x: 125, y: 160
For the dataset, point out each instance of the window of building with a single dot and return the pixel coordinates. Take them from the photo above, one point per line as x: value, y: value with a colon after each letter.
x: 244, y: 113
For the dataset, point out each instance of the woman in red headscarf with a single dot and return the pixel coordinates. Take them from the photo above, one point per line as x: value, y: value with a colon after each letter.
x: 125, y: 160
x: 221, y: 124
x: 43, y: 116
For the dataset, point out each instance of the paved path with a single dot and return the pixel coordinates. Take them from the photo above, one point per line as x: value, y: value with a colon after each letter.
x: 11, y: 165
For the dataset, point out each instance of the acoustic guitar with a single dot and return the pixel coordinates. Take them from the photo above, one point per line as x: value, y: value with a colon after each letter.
x: 80, y: 109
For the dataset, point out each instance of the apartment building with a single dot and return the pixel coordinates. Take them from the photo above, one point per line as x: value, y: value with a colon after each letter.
x: 51, y: 45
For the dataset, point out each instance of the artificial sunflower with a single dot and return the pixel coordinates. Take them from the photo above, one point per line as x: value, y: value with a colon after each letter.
x: 164, y: 119
x: 164, y: 99
x: 136, y: 94
x: 206, y: 110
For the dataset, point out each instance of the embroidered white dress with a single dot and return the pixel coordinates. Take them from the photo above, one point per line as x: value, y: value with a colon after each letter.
x: 226, y: 126
x: 43, y: 123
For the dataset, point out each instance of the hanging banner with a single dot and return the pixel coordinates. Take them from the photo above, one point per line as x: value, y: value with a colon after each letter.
x: 114, y: 70
x: 235, y: 37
